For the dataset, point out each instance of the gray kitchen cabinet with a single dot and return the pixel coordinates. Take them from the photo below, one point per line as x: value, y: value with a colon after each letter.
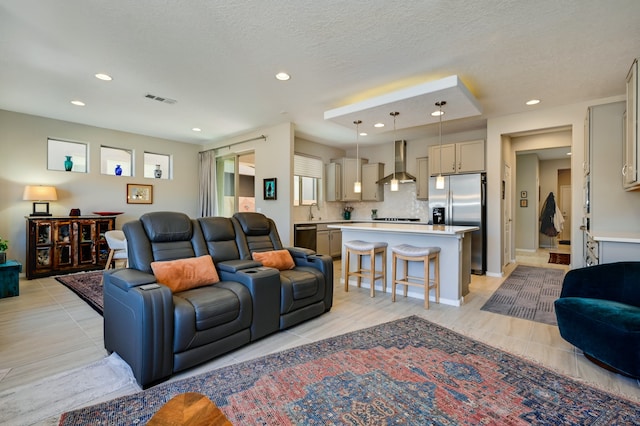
x: 372, y: 173
x: 461, y: 157
x: 328, y: 241
x: 422, y: 178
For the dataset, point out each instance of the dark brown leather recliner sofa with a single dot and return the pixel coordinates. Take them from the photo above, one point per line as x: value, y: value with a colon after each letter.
x: 158, y: 332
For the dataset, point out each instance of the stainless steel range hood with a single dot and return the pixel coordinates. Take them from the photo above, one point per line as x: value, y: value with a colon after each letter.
x: 400, y: 165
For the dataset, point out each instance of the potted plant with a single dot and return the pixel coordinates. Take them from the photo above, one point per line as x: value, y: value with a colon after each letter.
x: 4, y: 245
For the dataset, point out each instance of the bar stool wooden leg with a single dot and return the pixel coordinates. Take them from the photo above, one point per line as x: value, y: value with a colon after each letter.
x: 427, y: 277
x: 347, y: 253
x: 384, y: 271
x: 394, y: 268
x: 372, y: 269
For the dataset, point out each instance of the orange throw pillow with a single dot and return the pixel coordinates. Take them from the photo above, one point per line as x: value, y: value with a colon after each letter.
x: 279, y: 259
x: 184, y: 274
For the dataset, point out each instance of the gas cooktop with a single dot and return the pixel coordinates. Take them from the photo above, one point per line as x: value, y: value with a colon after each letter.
x: 398, y: 219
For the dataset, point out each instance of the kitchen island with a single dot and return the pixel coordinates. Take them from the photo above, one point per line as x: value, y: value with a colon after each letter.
x: 455, y: 253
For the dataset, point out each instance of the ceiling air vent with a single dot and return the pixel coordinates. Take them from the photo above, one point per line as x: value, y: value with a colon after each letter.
x: 160, y: 99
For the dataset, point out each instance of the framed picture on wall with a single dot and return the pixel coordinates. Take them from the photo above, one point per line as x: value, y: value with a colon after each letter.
x: 524, y: 203
x: 271, y: 189
x: 523, y: 194
x: 139, y: 194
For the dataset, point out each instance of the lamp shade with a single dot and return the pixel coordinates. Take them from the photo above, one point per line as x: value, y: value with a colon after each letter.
x: 39, y: 193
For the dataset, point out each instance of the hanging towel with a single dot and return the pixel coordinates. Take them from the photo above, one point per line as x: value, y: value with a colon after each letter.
x: 558, y: 220
x: 547, y: 216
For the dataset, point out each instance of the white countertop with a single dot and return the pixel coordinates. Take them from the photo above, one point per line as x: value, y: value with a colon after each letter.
x: 617, y: 237
x: 406, y: 227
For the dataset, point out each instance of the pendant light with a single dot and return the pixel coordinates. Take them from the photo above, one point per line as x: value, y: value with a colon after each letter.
x: 357, y: 185
x: 394, y: 181
x: 440, y: 178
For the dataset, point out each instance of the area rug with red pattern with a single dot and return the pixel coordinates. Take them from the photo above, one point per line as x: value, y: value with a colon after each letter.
x: 408, y: 371
x: 87, y: 285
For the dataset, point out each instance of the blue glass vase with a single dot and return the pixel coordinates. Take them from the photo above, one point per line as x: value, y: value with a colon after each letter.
x: 68, y: 164
x: 118, y: 170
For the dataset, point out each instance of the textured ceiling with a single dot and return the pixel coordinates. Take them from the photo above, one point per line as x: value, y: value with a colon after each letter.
x: 218, y: 59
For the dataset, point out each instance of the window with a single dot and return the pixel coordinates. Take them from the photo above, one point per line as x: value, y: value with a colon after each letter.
x: 116, y: 161
x: 156, y: 166
x: 307, y: 178
x: 66, y: 156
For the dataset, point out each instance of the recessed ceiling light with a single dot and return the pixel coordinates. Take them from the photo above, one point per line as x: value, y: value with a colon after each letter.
x: 437, y: 113
x: 283, y: 76
x: 104, y: 77
x: 78, y: 103
x: 378, y: 125
x: 196, y: 129
x: 363, y: 133
x: 533, y: 102
x: 568, y: 153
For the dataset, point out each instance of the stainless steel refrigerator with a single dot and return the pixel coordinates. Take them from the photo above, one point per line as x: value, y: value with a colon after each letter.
x: 463, y: 202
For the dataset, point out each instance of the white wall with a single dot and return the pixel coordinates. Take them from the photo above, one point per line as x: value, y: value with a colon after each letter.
x: 497, y: 127
x: 526, y: 218
x: 23, y: 142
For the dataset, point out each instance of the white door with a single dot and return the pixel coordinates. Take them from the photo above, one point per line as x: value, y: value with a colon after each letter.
x: 506, y: 214
x: 565, y: 208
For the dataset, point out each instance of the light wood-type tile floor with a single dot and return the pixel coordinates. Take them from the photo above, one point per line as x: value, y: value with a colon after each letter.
x: 47, y: 329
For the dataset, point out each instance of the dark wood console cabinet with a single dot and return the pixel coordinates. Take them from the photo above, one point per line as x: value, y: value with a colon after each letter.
x: 64, y: 244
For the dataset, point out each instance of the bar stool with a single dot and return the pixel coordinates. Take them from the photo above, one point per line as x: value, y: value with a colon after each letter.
x: 364, y: 248
x: 408, y: 253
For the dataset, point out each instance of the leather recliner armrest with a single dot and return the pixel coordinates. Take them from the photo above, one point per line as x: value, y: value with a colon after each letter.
x: 236, y: 265
x: 300, y: 252
x: 128, y: 278
x: 264, y: 286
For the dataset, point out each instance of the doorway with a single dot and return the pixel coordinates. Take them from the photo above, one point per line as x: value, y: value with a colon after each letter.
x: 542, y: 166
x: 236, y: 183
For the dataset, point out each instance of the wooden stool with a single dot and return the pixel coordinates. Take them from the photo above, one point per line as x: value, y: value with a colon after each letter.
x: 408, y: 253
x: 365, y: 248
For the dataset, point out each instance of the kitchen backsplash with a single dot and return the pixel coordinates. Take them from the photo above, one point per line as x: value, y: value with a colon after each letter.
x: 402, y: 203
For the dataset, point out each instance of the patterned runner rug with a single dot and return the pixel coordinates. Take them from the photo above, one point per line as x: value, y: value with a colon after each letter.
x: 87, y: 285
x: 528, y: 293
x: 408, y: 371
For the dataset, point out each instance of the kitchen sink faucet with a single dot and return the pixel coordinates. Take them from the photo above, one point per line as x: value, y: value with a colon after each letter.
x: 310, y: 210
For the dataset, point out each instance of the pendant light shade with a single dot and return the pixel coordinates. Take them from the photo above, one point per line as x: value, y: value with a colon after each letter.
x: 357, y: 185
x: 440, y: 178
x: 394, y: 181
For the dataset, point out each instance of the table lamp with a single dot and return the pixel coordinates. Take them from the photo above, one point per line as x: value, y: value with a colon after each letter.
x: 40, y: 195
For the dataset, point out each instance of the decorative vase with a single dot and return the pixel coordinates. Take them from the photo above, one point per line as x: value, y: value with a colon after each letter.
x: 347, y: 215
x: 118, y: 170
x: 157, y: 172
x: 68, y: 164
x: 374, y: 213
x: 3, y: 257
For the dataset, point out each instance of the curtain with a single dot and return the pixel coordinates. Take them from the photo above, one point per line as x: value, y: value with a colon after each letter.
x: 207, y: 188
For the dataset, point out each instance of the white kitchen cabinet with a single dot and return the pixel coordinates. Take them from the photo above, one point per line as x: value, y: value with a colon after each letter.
x: 447, y: 159
x: 348, y: 171
x: 612, y: 210
x: 328, y: 241
x: 422, y: 178
x: 461, y: 157
x: 631, y: 153
x: 372, y: 173
x: 333, y: 178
